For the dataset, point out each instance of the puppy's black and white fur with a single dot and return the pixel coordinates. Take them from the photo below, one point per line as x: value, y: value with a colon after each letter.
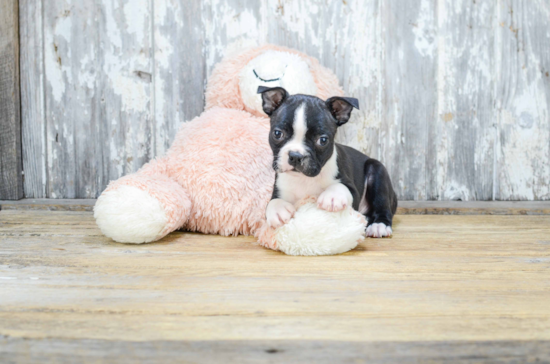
x: 309, y: 163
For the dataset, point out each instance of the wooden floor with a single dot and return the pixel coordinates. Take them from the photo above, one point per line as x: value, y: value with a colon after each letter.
x: 456, y: 288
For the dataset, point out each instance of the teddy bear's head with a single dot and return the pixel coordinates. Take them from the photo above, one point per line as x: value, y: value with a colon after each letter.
x: 275, y: 68
x: 235, y: 80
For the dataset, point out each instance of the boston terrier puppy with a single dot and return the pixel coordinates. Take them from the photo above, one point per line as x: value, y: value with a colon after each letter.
x: 309, y: 163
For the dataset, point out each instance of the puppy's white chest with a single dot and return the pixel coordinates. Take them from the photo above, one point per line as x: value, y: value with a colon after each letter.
x: 294, y: 188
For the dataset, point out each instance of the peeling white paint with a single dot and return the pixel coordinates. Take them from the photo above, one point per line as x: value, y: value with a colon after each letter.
x: 115, y: 39
x: 136, y: 14
x: 423, y: 29
x: 164, y: 49
x: 87, y: 76
x: 525, y: 146
x: 114, y: 151
x: 63, y: 28
x: 522, y: 167
x: 243, y: 24
x: 526, y: 105
x: 291, y: 18
x: 54, y: 71
x: 57, y: 73
x: 133, y: 95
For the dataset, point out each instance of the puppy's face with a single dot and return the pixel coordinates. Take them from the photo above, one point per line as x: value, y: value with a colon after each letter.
x: 303, y: 129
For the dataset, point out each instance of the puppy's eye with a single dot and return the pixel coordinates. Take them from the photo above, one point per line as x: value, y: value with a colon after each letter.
x: 278, y: 134
x: 322, y: 141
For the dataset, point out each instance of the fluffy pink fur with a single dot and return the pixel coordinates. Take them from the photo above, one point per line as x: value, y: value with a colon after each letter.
x: 217, y: 176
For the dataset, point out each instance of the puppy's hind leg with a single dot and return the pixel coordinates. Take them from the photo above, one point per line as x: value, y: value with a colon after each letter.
x: 380, y: 200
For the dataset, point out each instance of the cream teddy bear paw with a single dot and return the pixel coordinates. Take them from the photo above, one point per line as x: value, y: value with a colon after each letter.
x: 128, y: 214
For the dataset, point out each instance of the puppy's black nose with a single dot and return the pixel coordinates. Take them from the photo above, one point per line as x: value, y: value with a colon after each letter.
x: 295, y: 158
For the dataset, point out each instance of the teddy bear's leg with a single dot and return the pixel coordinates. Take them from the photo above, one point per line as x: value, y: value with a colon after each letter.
x: 141, y: 208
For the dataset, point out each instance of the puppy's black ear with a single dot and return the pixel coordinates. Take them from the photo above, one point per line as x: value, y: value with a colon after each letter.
x: 340, y: 108
x: 272, y: 98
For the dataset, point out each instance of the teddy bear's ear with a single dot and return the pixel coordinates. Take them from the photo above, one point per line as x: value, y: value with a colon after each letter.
x: 272, y: 98
x: 341, y: 107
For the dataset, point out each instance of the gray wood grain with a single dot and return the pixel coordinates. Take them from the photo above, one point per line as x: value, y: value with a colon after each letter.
x: 63, y: 350
x: 179, y: 68
x: 11, y: 179
x: 523, y: 100
x: 410, y: 107
x: 463, y: 135
x: 33, y: 118
x: 454, y: 95
x: 233, y: 24
x: 404, y: 207
x: 98, y: 67
x: 53, y: 204
x: 69, y: 45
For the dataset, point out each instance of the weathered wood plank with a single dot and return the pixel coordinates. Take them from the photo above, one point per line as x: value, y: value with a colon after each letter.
x: 33, y: 118
x: 98, y: 69
x: 474, y: 208
x: 523, y: 100
x: 404, y: 208
x: 268, y: 351
x: 179, y: 68
x: 410, y: 108
x: 229, y: 23
x: 49, y: 204
x: 11, y: 179
x: 70, y: 44
x: 462, y: 154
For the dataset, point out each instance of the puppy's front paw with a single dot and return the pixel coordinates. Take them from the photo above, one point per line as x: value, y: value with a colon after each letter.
x: 379, y: 230
x: 335, y: 198
x: 279, y: 212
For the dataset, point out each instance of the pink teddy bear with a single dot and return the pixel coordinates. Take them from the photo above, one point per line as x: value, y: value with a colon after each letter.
x: 217, y: 177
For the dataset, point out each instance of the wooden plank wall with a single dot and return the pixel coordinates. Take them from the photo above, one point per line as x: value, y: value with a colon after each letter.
x: 11, y: 179
x: 454, y: 94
